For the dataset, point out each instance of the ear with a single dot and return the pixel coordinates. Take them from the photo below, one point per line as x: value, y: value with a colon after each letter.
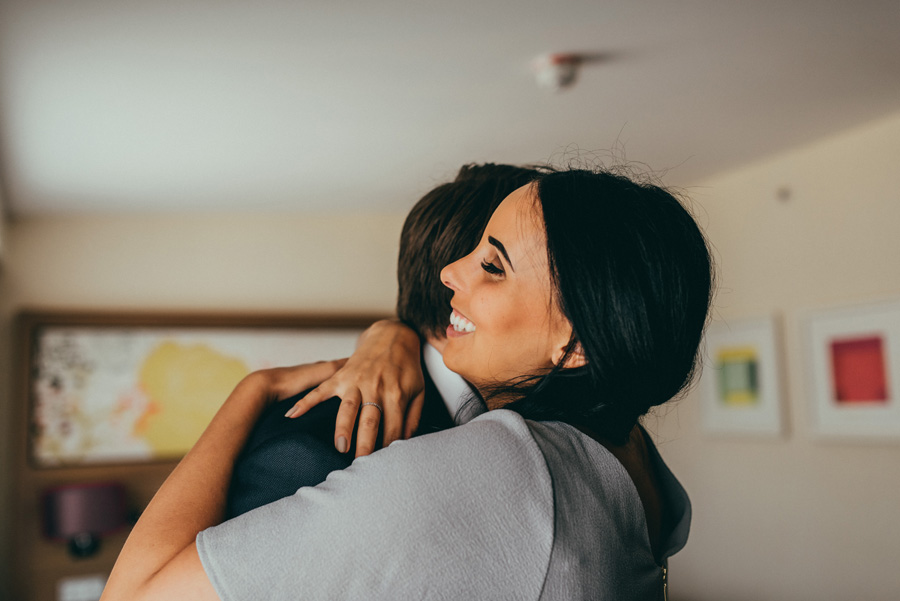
x: 576, y: 358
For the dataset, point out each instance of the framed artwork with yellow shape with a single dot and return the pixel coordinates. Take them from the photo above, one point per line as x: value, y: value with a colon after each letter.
x: 740, y: 386
x: 105, y: 388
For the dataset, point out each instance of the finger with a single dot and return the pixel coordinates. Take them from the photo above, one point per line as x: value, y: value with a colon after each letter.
x: 414, y: 415
x: 367, y: 432
x: 293, y: 380
x: 310, y: 400
x: 394, y: 413
x: 346, y: 420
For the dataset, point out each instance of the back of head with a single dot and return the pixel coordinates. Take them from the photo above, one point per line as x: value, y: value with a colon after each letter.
x: 443, y: 226
x: 633, y: 274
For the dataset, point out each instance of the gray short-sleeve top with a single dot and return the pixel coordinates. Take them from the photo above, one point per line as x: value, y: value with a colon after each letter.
x: 499, y: 508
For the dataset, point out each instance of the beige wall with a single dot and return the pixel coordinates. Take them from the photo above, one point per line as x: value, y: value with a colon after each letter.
x: 796, y: 518
x: 230, y: 263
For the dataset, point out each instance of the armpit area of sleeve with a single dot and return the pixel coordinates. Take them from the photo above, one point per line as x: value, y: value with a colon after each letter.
x: 444, y: 516
x: 212, y: 568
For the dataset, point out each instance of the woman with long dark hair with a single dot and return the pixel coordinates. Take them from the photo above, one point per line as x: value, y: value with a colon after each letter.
x: 581, y: 308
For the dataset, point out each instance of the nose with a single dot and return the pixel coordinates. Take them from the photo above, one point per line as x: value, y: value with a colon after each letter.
x: 449, y: 276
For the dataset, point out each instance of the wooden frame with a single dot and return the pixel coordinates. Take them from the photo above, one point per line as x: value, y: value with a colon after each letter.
x: 853, y: 357
x: 107, y: 388
x: 740, y: 385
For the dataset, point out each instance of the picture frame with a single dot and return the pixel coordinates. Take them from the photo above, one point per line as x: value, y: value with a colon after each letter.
x: 741, y: 386
x: 853, y: 355
x: 114, y: 388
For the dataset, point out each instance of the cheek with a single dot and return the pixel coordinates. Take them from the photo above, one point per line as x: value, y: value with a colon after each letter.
x: 499, y: 317
x: 518, y: 338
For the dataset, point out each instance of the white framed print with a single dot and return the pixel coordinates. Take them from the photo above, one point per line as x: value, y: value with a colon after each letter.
x: 854, y: 365
x: 740, y: 385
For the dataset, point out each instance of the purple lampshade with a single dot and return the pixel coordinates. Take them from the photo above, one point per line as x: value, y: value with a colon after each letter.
x: 80, y: 509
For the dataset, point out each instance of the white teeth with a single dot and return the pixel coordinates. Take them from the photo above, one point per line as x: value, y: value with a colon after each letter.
x: 460, y: 323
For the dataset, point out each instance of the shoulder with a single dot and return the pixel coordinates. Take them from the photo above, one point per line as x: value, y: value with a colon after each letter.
x: 462, y: 511
x: 491, y: 453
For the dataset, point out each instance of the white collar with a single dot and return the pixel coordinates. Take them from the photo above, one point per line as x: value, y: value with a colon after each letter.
x: 453, y: 388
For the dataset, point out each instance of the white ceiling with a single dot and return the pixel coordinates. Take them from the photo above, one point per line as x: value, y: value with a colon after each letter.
x: 362, y: 105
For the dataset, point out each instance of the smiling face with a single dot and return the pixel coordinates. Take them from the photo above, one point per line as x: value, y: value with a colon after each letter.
x: 505, y: 321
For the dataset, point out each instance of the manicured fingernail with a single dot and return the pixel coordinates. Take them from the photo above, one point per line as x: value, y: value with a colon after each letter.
x: 291, y: 411
x: 342, y: 445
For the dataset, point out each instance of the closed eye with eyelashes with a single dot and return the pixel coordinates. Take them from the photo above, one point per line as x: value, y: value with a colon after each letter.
x: 491, y: 268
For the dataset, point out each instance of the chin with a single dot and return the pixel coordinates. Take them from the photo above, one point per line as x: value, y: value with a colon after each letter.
x: 451, y: 362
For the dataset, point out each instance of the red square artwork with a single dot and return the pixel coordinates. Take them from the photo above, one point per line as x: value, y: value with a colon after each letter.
x: 858, y: 368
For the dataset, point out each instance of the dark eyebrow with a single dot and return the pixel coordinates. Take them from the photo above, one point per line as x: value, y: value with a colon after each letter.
x: 494, y: 242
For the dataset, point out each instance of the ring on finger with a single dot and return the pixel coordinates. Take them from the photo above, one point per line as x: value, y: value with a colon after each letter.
x: 375, y: 405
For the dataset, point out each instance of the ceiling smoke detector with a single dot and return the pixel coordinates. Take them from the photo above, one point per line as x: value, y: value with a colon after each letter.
x: 556, y: 71
x: 559, y: 70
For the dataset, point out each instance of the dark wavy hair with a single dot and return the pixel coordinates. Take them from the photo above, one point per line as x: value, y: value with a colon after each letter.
x: 633, y: 274
x: 443, y: 226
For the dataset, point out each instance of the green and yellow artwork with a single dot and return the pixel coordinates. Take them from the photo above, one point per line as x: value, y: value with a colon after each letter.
x: 737, y: 369
x: 110, y: 395
x: 184, y: 385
